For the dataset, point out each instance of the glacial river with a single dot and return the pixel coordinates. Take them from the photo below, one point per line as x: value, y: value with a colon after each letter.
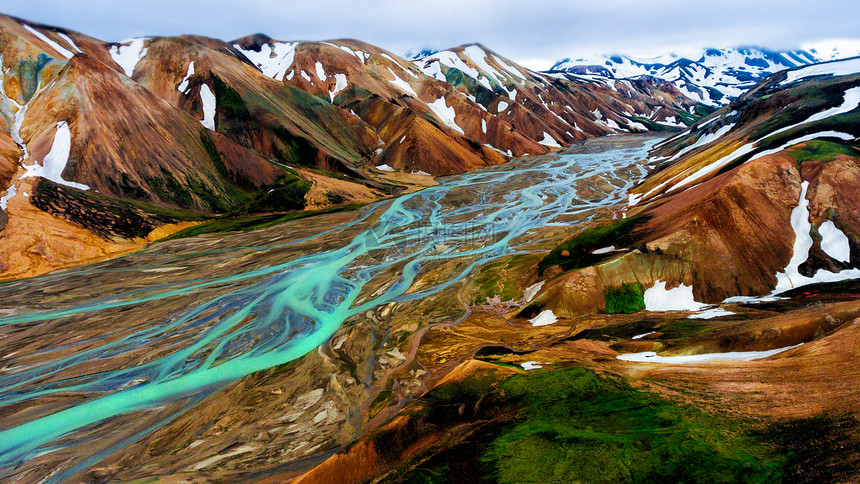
x: 102, y: 350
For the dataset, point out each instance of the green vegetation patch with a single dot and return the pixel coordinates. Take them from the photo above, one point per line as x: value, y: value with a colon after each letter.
x: 230, y: 102
x: 579, y: 249
x: 572, y: 425
x: 626, y: 299
x: 578, y: 427
x: 821, y: 150
x: 498, y: 278
x: 294, y: 149
x: 289, y: 194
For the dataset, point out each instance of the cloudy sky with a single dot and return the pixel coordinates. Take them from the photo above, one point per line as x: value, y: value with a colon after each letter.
x: 535, y: 32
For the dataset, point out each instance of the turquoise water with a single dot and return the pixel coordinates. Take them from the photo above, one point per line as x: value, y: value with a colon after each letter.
x: 292, y: 307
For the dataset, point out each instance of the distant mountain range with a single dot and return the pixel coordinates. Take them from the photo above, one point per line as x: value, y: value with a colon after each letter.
x: 111, y: 140
x: 713, y: 76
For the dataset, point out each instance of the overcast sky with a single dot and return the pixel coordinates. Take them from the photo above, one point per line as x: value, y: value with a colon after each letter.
x: 534, y: 33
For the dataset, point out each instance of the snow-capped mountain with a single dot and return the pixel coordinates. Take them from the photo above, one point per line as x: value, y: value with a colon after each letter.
x: 713, y: 76
x: 418, y: 53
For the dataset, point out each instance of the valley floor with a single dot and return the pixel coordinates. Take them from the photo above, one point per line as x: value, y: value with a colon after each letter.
x: 446, y: 381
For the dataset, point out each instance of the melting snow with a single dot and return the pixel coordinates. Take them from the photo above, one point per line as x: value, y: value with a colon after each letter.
x: 606, y: 250
x: 320, y: 71
x: 10, y: 192
x: 821, y: 134
x: 502, y: 106
x: 484, y: 126
x: 445, y: 113
x: 532, y: 291
x: 710, y: 313
x: 339, y: 85
x: 532, y: 365
x: 842, y: 68
x: 791, y: 278
x: 850, y: 102
x: 703, y: 141
x: 70, y: 41
x: 62, y: 50
x: 549, y: 141
x: 306, y: 76
x: 384, y: 167
x: 544, y: 318
x: 183, y: 86
x: 640, y: 336
x: 834, y: 242
x: 403, y: 85
x: 273, y: 60
x: 208, y: 99
x: 652, y: 357
x: 658, y: 298
x: 128, y: 53
x: 55, y: 161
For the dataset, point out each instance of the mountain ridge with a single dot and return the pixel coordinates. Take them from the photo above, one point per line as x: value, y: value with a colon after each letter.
x: 713, y: 77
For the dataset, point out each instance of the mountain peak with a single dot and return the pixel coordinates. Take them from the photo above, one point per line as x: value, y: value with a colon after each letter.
x: 253, y: 42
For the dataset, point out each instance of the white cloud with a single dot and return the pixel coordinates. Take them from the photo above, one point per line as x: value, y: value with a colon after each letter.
x: 535, y: 33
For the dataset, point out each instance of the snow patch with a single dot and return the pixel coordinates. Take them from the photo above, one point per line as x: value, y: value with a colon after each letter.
x: 384, y: 167
x: 320, y: 71
x: 339, y: 85
x: 183, y: 86
x: 652, y: 357
x: 128, y: 53
x: 10, y: 192
x: 70, y: 41
x: 710, y: 313
x: 273, y: 59
x: 606, y: 250
x: 658, y: 298
x: 640, y: 336
x: 502, y: 106
x: 532, y: 365
x: 834, y: 242
x: 445, y: 113
x: 544, y: 318
x: 532, y: 291
x: 62, y: 50
x: 208, y: 99
x: 55, y: 161
x: 842, y: 68
x: 549, y: 141
x: 791, y: 278
x: 403, y: 85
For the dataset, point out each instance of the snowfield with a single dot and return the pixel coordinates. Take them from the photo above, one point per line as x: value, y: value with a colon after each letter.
x: 652, y: 357
x: 62, y: 50
x: 272, y: 60
x: 445, y: 113
x: 55, y: 161
x: 658, y: 298
x: 207, y: 97
x: 790, y: 277
x: 183, y: 86
x: 544, y: 318
x: 128, y: 53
